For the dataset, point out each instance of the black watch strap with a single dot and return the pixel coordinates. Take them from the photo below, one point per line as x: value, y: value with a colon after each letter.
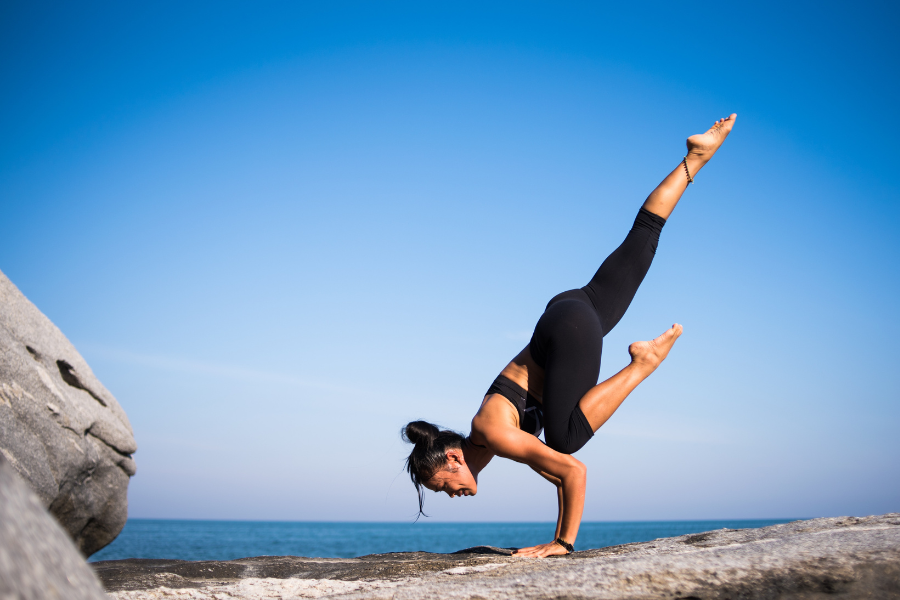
x: 569, y: 547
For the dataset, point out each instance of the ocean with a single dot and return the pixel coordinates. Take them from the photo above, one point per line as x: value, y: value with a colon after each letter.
x: 228, y: 540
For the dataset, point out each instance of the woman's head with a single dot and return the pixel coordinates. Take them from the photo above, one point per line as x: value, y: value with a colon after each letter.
x: 437, y: 461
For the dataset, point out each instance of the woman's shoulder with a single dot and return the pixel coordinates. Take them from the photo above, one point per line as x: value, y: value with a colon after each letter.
x: 496, y: 413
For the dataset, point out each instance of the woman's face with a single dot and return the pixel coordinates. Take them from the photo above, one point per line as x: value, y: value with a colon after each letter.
x: 455, y: 479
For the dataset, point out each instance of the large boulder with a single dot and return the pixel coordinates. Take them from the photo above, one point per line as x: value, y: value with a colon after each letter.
x: 60, y: 429
x: 37, y: 559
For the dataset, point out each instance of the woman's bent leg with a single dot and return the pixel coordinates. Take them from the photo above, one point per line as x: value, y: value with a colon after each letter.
x: 600, y: 402
x: 567, y: 342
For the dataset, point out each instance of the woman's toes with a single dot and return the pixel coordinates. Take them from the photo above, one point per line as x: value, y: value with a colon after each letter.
x: 705, y: 145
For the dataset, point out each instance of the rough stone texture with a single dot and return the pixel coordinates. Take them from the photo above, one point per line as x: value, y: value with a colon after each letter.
x: 61, y: 430
x: 37, y: 559
x: 844, y: 557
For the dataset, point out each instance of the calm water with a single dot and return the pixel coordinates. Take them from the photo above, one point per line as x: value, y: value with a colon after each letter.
x: 227, y: 540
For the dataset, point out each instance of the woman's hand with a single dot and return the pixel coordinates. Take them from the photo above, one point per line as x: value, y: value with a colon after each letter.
x: 542, y: 551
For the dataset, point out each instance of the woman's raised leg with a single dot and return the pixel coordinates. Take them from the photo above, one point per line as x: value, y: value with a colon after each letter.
x: 601, y: 401
x: 615, y: 283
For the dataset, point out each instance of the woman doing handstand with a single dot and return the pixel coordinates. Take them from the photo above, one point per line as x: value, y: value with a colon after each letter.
x: 552, y: 383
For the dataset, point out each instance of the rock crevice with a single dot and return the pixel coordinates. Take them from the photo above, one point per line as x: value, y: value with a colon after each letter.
x: 68, y: 374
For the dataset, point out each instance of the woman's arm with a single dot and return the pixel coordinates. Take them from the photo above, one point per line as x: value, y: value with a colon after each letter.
x: 571, y: 473
x: 559, y: 498
x: 560, y: 501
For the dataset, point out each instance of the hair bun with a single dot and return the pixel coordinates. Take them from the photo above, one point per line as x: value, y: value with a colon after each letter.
x: 417, y: 432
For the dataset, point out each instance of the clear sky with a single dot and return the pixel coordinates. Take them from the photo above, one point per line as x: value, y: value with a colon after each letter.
x: 278, y: 232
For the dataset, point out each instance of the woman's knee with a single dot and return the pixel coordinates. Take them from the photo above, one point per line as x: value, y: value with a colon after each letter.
x: 567, y: 444
x: 573, y: 438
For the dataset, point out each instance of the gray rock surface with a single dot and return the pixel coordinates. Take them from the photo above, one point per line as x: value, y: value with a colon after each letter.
x: 38, y: 560
x: 60, y: 429
x: 844, y: 557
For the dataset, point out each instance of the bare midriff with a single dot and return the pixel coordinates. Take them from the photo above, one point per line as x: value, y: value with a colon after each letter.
x: 525, y: 372
x: 497, y: 409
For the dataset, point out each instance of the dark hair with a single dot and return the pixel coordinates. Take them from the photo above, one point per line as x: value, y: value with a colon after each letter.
x: 429, y: 454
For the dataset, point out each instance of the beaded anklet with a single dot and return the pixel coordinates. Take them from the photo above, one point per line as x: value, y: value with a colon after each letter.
x: 684, y: 162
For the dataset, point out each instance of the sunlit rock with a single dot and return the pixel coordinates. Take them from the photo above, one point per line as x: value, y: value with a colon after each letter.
x: 60, y: 429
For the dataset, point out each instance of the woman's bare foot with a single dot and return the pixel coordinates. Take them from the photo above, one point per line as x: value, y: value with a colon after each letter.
x: 704, y: 145
x: 651, y: 354
x: 701, y: 147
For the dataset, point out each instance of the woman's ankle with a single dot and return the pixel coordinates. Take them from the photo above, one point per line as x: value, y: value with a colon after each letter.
x: 695, y: 163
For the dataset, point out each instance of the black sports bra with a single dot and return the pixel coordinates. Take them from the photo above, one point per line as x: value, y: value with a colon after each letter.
x: 531, y: 413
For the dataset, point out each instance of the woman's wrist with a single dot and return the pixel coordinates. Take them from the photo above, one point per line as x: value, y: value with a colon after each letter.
x: 566, y: 545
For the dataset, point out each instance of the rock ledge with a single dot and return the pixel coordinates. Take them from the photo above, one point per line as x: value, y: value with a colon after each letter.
x: 839, y: 557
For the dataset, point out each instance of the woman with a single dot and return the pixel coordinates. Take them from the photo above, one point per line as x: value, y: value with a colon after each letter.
x: 552, y: 383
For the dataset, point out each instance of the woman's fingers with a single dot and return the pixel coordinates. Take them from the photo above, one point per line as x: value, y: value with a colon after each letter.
x: 527, y: 552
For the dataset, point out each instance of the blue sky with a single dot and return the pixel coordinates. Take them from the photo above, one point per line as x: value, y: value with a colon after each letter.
x: 279, y: 233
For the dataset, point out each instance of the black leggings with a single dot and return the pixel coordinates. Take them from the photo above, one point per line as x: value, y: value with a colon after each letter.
x: 568, y: 338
